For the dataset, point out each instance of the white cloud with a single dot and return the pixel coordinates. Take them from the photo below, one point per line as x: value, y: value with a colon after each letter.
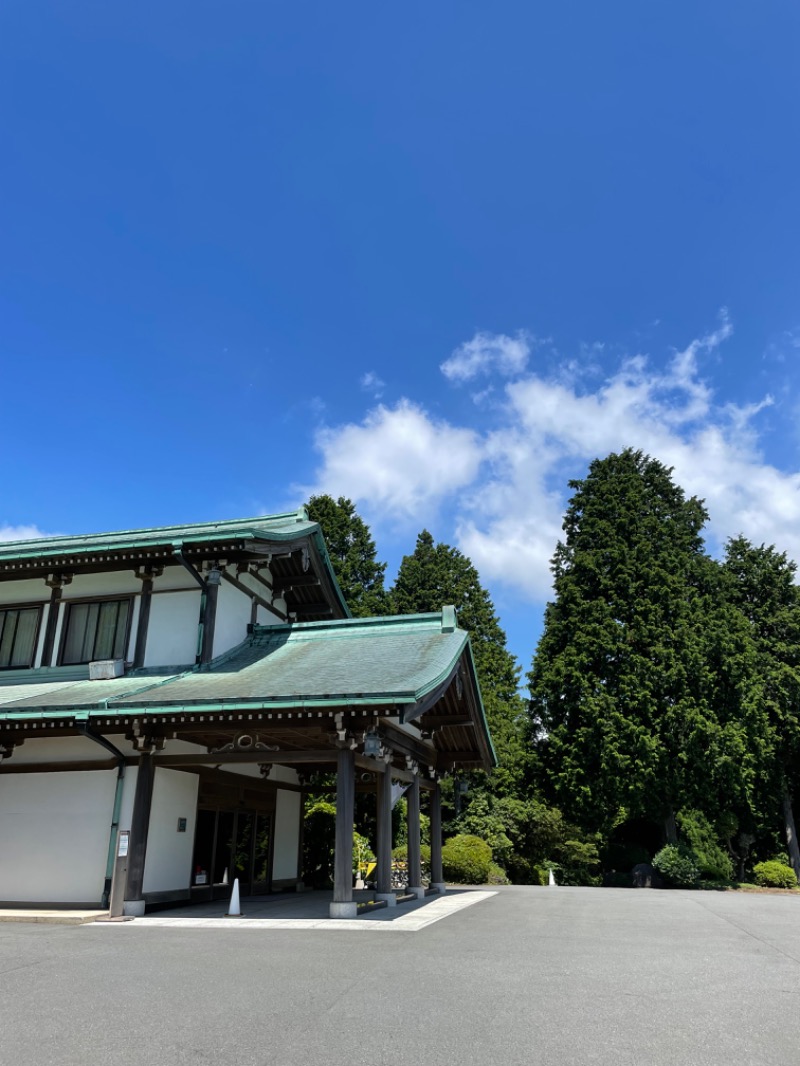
x: 398, y: 458
x: 8, y: 532
x: 487, y: 352
x: 370, y: 382
x: 506, y: 486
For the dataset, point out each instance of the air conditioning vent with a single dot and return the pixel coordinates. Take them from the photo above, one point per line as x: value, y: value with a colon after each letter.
x: 105, y: 669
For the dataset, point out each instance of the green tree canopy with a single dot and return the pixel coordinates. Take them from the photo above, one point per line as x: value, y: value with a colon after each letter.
x: 760, y: 584
x: 437, y: 574
x: 619, y: 683
x: 353, y: 554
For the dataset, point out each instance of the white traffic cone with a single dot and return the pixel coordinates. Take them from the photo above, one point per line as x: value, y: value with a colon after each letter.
x: 234, y: 907
x: 551, y: 881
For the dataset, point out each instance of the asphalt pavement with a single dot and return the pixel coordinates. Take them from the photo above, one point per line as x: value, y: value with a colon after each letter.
x: 527, y: 976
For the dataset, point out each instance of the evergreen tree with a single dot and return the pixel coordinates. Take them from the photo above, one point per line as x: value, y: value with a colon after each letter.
x: 353, y: 554
x: 619, y: 685
x: 437, y: 574
x: 760, y: 583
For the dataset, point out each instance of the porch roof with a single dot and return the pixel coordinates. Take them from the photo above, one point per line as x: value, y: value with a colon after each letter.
x: 403, y: 664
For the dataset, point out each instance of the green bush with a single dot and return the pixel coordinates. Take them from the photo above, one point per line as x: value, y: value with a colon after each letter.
x: 774, y: 874
x: 677, y: 864
x: 497, y: 875
x: 466, y: 860
x: 712, y: 860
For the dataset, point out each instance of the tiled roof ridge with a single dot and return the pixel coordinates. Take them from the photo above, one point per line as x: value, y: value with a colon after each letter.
x: 355, y: 626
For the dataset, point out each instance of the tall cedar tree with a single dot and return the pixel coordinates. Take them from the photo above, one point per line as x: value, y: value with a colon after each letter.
x: 353, y: 554
x: 437, y: 574
x: 620, y: 691
x: 761, y: 584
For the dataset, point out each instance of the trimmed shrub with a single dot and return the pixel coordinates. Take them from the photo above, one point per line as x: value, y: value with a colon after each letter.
x: 497, y: 875
x: 677, y: 864
x: 774, y: 874
x: 712, y: 860
x: 466, y: 860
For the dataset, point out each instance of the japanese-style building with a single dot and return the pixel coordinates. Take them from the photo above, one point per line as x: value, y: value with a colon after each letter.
x: 182, y: 684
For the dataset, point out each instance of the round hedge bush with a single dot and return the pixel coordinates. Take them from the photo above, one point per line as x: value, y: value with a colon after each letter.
x: 774, y: 874
x: 467, y: 860
x: 677, y: 864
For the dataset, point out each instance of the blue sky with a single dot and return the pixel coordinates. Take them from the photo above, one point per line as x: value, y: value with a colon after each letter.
x: 434, y: 257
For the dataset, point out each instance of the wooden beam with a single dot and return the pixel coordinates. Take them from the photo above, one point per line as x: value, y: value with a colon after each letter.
x: 310, y: 608
x: 223, y: 758
x: 298, y: 581
x: 442, y: 721
x: 459, y: 756
x: 76, y: 766
x: 260, y: 600
x: 422, y: 751
x: 364, y: 762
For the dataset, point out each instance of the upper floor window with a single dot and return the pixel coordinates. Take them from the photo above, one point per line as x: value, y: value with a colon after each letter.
x: 95, y: 631
x: 18, y: 629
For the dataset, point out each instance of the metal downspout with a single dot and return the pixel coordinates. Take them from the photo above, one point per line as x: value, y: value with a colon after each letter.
x: 85, y: 731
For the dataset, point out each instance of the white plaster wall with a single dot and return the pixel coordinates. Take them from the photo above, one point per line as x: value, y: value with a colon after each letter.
x: 112, y: 583
x: 63, y: 749
x: 32, y: 590
x: 172, y: 630
x: 287, y: 834
x: 233, y: 615
x: 54, y: 832
x: 169, y: 853
x: 284, y: 773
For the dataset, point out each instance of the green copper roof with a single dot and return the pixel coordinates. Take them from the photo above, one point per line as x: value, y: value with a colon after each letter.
x: 292, y: 530
x: 268, y: 527
x: 395, y: 661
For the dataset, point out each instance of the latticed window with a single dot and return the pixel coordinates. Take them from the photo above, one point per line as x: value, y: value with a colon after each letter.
x: 18, y: 629
x: 95, y: 631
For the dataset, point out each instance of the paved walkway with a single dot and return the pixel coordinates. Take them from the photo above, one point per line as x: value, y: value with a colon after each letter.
x: 528, y: 977
x: 309, y: 910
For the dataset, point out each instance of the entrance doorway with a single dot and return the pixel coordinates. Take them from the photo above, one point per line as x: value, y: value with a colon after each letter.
x: 230, y: 844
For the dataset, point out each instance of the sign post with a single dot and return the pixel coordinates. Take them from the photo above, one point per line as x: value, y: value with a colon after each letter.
x: 119, y: 878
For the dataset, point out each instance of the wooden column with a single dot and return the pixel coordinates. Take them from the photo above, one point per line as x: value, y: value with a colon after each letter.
x: 146, y: 577
x: 385, y: 837
x: 414, y: 862
x: 437, y: 874
x: 343, y: 905
x: 210, y: 615
x: 140, y: 824
x: 56, y: 583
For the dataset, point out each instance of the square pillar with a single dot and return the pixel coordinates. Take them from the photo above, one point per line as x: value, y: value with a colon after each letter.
x: 414, y: 862
x: 343, y: 905
x: 437, y: 874
x: 140, y: 824
x: 384, y: 870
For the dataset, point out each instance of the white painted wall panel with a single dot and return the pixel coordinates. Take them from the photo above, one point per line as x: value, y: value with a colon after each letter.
x: 287, y: 834
x: 172, y: 631
x: 169, y: 853
x: 54, y: 831
x: 233, y: 615
x: 28, y: 591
